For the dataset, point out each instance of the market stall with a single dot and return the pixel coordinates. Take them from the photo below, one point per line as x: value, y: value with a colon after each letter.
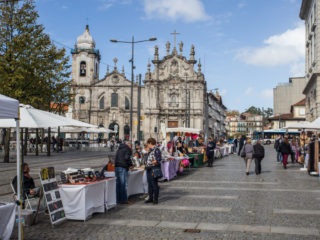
x: 9, y: 111
x: 170, y: 168
x: 82, y: 200
x: 135, y: 182
x: 7, y: 219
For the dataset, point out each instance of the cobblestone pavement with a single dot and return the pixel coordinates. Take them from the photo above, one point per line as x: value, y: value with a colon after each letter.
x: 220, y: 202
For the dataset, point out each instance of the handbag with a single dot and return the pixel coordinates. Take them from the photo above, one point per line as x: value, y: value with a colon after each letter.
x: 156, y: 172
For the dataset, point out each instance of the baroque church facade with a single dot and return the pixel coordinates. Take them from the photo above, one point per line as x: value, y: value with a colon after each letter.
x: 173, y: 94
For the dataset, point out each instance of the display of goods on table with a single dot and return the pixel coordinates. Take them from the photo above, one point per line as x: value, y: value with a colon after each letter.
x: 197, y: 159
x: 52, y: 195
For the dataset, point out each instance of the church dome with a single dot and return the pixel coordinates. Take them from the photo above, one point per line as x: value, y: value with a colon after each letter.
x: 85, y: 41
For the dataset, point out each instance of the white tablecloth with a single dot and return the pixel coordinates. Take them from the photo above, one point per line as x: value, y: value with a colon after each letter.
x: 110, y: 195
x: 7, y: 219
x: 135, y: 182
x: 81, y: 201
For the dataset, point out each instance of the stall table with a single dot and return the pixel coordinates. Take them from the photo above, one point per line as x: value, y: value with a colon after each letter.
x: 82, y: 200
x: 135, y: 182
x: 7, y: 219
x: 198, y: 159
x: 170, y: 168
x: 110, y: 195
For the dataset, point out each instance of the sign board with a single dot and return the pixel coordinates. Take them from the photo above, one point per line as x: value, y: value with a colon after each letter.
x: 173, y: 124
x: 135, y: 122
x: 52, y: 195
x: 142, y: 118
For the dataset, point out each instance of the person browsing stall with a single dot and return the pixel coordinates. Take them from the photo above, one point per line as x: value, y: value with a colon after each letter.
x: 122, y: 164
x: 153, y: 161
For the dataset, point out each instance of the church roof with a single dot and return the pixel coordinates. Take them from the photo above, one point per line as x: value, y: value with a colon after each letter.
x: 85, y: 41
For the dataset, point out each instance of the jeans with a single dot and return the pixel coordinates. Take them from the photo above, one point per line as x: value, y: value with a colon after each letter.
x: 258, y: 165
x: 153, y: 188
x: 210, y: 157
x: 279, y: 157
x: 121, y: 184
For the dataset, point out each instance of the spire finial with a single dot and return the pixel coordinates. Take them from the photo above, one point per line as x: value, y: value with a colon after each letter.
x: 115, y: 60
x: 192, y: 53
x: 175, y: 33
x: 168, y: 47
x: 107, y: 68
x: 149, y: 65
x: 122, y: 69
x: 156, y: 52
x: 181, y: 48
x: 199, y: 66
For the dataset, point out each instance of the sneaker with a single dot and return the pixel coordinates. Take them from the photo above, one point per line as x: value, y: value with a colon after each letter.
x: 148, y: 201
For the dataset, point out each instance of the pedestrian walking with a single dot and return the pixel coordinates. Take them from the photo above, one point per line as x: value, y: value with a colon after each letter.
x: 285, y: 150
x: 235, y: 145
x: 277, y: 148
x: 258, y: 155
x: 210, y: 151
x: 122, y: 164
x: 241, y: 143
x: 295, y: 150
x: 153, y: 165
x: 247, y: 154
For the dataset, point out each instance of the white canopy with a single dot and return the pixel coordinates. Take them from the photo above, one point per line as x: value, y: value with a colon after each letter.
x: 184, y: 130
x: 87, y: 130
x: 34, y: 118
x: 9, y: 108
x: 304, y: 125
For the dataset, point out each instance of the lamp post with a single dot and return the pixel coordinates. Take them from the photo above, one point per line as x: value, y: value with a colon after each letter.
x: 132, y: 42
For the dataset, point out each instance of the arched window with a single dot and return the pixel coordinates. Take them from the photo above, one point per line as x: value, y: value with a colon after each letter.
x: 83, y: 69
x: 114, y: 100
x: 127, y: 104
x: 101, y: 103
x: 82, y: 100
x: 96, y: 70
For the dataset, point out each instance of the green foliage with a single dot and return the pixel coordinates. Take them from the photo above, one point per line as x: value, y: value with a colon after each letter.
x: 32, y: 69
x: 233, y: 113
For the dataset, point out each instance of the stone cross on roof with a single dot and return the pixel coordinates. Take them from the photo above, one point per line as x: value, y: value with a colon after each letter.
x: 175, y: 33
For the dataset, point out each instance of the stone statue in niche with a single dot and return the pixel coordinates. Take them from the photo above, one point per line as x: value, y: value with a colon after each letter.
x: 83, y: 69
x: 174, y: 68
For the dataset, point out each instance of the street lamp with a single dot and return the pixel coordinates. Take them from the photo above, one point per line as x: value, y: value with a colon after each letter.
x: 132, y: 42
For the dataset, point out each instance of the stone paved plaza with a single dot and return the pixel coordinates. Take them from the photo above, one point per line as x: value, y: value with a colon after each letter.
x: 220, y: 202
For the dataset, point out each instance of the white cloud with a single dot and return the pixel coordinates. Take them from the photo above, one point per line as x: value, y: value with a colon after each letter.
x: 282, y: 49
x: 106, y: 4
x: 249, y: 91
x: 187, y: 10
x: 241, y: 4
x: 297, y: 69
x: 267, y: 93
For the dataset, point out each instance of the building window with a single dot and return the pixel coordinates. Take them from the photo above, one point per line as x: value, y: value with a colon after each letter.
x: 114, y: 100
x: 82, y: 100
x: 101, y: 103
x: 83, y: 69
x: 96, y: 70
x: 127, y: 104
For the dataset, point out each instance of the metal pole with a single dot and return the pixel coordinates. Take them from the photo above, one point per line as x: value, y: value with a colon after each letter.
x: 18, y: 178
x: 49, y: 141
x: 139, y: 108
x: 186, y: 113
x: 132, y: 80
x: 206, y: 116
x: 263, y: 123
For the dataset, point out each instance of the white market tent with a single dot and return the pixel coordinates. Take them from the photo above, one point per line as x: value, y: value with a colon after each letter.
x: 34, y: 118
x: 304, y: 125
x: 9, y: 110
x: 83, y: 129
x: 184, y: 130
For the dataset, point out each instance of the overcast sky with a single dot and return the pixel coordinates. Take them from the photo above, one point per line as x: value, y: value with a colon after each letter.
x: 246, y: 47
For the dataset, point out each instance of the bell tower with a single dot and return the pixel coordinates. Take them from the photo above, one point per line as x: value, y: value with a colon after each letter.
x: 85, y: 60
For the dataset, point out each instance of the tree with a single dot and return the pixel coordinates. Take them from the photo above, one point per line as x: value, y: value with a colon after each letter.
x: 233, y: 113
x: 32, y: 69
x: 254, y: 110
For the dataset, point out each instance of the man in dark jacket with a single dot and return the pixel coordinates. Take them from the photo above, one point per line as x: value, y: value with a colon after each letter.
x: 258, y: 155
x: 210, y: 151
x: 122, y: 164
x: 241, y: 143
